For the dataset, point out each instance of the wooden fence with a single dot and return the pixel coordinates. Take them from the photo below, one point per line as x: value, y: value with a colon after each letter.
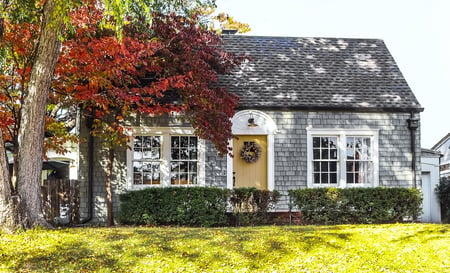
x: 61, y: 201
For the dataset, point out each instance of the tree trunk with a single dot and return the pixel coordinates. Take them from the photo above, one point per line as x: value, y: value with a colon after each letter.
x: 31, y: 133
x: 9, y: 217
x: 109, y: 201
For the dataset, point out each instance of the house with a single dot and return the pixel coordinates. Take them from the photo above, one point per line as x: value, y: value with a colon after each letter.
x: 314, y: 112
x: 431, y: 208
x: 443, y: 147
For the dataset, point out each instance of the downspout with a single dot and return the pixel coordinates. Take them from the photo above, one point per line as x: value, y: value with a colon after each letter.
x: 413, y: 124
x: 90, y: 175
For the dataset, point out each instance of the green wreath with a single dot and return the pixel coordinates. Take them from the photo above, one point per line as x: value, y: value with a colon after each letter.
x: 251, y: 152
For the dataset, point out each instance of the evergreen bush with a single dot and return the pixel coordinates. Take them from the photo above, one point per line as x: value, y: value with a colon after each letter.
x: 443, y: 193
x: 196, y: 206
x: 357, y: 205
x: 250, y: 206
x: 184, y: 206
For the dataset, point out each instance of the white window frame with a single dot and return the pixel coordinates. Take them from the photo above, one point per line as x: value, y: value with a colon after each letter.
x: 166, y: 133
x: 341, y: 135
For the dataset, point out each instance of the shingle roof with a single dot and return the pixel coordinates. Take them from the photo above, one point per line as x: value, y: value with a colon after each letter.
x: 317, y: 73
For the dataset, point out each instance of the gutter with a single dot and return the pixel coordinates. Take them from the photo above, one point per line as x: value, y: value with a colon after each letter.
x: 413, y: 124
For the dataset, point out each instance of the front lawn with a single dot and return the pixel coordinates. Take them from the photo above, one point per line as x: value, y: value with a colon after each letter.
x: 358, y: 248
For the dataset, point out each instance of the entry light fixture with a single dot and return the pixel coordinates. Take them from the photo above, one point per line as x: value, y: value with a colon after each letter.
x: 251, y: 121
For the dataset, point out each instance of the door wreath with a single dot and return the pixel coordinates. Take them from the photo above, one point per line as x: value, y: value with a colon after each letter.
x: 251, y: 151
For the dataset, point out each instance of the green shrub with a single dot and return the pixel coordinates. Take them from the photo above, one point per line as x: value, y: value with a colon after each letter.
x: 196, y: 206
x: 251, y: 206
x: 443, y: 193
x: 186, y: 206
x: 357, y: 205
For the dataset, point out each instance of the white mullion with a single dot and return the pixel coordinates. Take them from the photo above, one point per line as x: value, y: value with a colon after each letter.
x: 342, y: 140
x: 165, y: 159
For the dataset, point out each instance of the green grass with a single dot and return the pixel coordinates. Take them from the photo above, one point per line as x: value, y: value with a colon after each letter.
x: 352, y: 248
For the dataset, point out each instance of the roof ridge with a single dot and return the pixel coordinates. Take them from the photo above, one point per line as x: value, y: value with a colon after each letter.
x: 298, y: 37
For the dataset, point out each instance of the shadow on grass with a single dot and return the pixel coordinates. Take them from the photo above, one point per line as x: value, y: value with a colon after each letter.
x: 67, y: 257
x: 425, y: 234
x: 205, y: 249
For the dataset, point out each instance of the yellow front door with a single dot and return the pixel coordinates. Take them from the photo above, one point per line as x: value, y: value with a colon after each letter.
x: 250, y: 161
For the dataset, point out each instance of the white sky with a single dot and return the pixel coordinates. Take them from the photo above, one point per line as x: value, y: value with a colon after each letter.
x: 416, y: 32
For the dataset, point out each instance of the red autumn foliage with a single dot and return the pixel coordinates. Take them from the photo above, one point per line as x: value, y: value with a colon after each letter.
x: 172, y: 66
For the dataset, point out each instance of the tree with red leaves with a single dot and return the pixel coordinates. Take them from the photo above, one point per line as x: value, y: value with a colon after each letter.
x: 172, y: 66
x: 24, y: 120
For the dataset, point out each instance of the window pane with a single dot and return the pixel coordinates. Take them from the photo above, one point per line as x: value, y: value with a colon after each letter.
x: 147, y: 178
x: 316, y: 166
x: 137, y: 154
x: 193, y: 178
x: 333, y: 178
x: 137, y: 142
x: 316, y: 142
x: 324, y: 167
x: 350, y: 166
x: 193, y: 153
x: 325, y: 154
x: 324, y: 178
x: 193, y: 167
x: 174, y: 166
x: 146, y: 167
x: 333, y: 166
x: 317, y: 178
x: 324, y: 142
x: 175, y: 142
x: 137, y: 166
x: 174, y: 178
x: 183, y: 166
x: 333, y: 154
x: 137, y: 179
x: 156, y: 141
x: 184, y: 141
x: 316, y: 154
x: 146, y: 142
x: 147, y: 153
x: 350, y: 178
x: 184, y: 154
x: 367, y: 150
x: 175, y: 154
x: 333, y: 142
x: 193, y: 142
x: 184, y: 178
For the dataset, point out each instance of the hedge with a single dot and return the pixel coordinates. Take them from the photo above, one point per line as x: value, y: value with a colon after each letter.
x: 357, y: 205
x: 185, y: 206
x: 196, y: 206
x: 250, y: 206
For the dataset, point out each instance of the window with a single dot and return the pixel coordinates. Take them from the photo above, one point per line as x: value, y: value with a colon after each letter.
x: 146, y: 160
x: 342, y: 158
x: 359, y: 161
x: 184, y: 160
x: 325, y: 160
x: 165, y: 157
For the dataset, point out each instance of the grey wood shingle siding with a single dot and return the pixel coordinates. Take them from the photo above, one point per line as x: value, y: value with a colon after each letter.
x: 317, y: 73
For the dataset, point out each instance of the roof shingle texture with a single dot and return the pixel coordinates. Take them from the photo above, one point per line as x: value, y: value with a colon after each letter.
x: 317, y: 73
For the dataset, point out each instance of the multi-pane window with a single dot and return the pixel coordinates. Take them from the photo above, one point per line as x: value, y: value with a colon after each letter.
x: 146, y: 160
x: 165, y: 159
x: 342, y: 157
x: 325, y: 160
x: 184, y: 160
x: 359, y: 165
